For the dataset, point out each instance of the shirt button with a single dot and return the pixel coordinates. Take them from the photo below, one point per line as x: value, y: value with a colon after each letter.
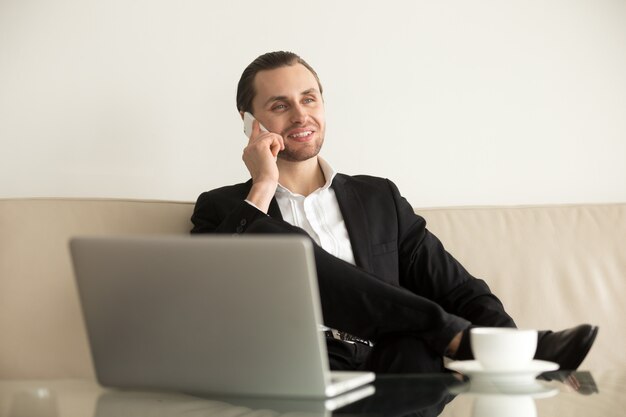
x: 239, y: 229
x: 243, y: 222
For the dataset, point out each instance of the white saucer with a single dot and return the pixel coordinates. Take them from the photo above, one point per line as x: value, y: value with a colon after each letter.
x: 526, y: 375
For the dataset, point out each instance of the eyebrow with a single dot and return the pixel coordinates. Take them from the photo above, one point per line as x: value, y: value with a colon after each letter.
x: 284, y: 98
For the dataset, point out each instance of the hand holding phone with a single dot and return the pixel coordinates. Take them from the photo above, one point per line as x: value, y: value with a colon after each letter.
x: 260, y: 156
x: 262, y: 142
x: 248, y: 119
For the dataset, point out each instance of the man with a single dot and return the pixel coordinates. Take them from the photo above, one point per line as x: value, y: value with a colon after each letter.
x: 398, y: 301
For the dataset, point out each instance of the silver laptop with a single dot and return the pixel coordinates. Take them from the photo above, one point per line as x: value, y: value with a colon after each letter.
x: 210, y: 314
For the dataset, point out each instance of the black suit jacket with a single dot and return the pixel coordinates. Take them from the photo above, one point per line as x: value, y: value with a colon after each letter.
x: 389, y: 241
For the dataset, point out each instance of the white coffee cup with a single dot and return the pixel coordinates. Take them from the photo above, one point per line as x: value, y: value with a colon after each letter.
x: 500, y: 348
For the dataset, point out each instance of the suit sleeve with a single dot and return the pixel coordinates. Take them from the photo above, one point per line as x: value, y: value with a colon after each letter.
x: 427, y: 269
x: 217, y: 213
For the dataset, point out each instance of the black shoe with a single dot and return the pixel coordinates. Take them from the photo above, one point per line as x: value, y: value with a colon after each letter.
x: 568, y: 348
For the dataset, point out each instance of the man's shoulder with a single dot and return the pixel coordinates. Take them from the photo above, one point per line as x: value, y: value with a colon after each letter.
x: 366, y: 182
x: 234, y: 191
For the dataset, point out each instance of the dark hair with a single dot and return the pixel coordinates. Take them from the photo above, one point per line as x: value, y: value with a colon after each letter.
x: 268, y: 61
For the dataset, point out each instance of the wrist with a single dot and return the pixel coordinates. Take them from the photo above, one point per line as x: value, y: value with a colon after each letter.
x: 454, y: 344
x: 261, y: 194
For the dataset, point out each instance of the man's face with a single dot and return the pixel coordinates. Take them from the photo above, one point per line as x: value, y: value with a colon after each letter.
x: 288, y: 102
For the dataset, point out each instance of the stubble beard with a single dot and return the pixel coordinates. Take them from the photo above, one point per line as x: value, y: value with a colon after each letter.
x: 299, y: 154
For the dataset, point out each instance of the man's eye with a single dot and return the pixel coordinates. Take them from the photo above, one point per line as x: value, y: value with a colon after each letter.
x: 309, y: 100
x: 279, y: 107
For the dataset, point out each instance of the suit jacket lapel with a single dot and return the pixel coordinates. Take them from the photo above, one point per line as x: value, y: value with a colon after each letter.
x: 274, y: 210
x: 356, y: 222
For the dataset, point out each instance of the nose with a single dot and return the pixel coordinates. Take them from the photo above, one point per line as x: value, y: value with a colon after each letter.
x: 298, y: 114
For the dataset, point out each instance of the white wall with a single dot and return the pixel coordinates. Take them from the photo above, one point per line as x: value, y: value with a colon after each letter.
x: 459, y: 102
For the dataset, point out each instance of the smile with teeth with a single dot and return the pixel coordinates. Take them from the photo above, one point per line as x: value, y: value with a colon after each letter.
x: 301, y: 134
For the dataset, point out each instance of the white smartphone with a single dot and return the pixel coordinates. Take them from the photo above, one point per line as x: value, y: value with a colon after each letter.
x: 248, y: 118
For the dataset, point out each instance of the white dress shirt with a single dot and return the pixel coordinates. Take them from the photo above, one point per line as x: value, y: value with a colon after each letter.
x: 319, y: 215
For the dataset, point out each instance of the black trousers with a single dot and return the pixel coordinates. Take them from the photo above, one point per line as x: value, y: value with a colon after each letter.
x: 392, y: 354
x: 410, y: 333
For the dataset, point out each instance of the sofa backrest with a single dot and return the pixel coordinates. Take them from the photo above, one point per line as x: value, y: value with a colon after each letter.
x: 553, y: 267
x: 41, y: 327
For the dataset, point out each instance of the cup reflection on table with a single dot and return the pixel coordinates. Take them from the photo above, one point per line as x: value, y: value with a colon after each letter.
x: 504, y: 405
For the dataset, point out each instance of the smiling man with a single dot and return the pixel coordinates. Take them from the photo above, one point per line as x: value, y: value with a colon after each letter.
x: 288, y: 101
x: 395, y: 299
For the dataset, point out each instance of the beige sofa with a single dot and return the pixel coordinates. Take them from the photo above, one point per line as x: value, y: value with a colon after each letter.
x: 553, y: 267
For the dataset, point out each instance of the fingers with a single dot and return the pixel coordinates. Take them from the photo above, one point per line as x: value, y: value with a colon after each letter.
x: 256, y: 128
x: 261, y: 146
x: 259, y: 137
x: 277, y: 145
x: 261, y: 153
x: 272, y: 141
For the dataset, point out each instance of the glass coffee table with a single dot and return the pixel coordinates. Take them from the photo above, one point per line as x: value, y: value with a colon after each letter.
x: 578, y: 393
x: 572, y: 394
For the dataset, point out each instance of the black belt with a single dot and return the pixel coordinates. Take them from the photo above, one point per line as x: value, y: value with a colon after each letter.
x: 346, y: 337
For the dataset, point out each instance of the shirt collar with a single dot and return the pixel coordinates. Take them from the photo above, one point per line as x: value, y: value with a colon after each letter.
x: 329, y: 174
x: 328, y: 171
